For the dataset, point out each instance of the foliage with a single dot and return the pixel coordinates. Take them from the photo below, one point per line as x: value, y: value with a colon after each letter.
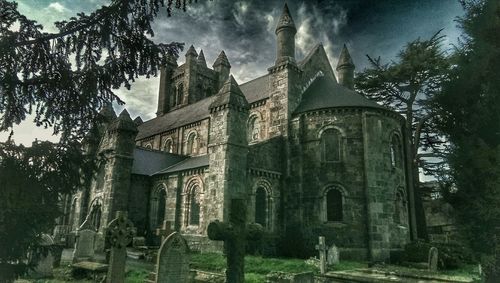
x: 67, y: 76
x: 32, y: 179
x: 406, y: 85
x: 470, y: 118
x: 450, y: 256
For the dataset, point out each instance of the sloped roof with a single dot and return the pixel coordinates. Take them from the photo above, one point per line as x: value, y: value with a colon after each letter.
x: 189, y: 163
x: 253, y: 90
x: 324, y: 93
x: 147, y: 162
x: 256, y: 89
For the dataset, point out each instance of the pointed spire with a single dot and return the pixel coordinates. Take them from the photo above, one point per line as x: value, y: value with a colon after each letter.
x: 138, y: 120
x: 230, y: 95
x: 345, y: 60
x: 124, y: 123
x: 201, y: 59
x: 285, y: 20
x: 191, y: 52
x: 222, y: 60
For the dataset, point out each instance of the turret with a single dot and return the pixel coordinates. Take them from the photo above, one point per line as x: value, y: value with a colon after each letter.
x: 222, y: 66
x: 345, y: 69
x: 285, y: 33
x: 165, y: 93
x: 191, y: 55
x: 201, y: 60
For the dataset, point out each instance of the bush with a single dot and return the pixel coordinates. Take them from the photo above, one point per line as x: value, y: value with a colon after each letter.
x: 451, y: 255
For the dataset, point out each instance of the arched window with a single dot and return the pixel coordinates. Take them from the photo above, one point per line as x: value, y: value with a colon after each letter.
x: 334, y: 205
x: 253, y: 129
x: 331, y: 145
x: 160, y: 213
x: 261, y: 206
x: 395, y: 151
x: 180, y: 92
x: 192, y: 146
x: 194, y: 206
x: 157, y: 206
x: 168, y: 147
x: 95, y: 215
x: 174, y: 96
x: 399, y: 216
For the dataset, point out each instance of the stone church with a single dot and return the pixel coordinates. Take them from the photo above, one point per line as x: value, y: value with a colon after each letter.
x: 310, y: 155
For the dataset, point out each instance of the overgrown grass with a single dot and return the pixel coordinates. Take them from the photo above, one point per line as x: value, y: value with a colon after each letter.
x: 136, y: 275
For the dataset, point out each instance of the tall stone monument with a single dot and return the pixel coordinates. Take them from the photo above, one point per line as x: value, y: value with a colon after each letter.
x: 119, y: 233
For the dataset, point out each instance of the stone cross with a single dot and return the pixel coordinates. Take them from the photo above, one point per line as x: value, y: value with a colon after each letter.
x: 322, y: 248
x: 235, y: 234
x: 433, y: 259
x: 164, y: 231
x: 119, y: 233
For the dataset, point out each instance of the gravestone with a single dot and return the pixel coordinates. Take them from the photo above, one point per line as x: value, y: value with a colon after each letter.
x: 85, y: 239
x: 433, y: 259
x: 235, y: 234
x: 172, y: 264
x: 333, y: 255
x: 45, y: 262
x: 164, y: 231
x: 119, y: 234
x: 322, y: 248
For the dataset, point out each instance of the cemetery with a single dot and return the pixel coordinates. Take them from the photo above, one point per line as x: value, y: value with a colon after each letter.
x: 282, y: 162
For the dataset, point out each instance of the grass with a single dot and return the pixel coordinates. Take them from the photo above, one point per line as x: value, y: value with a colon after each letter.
x: 466, y: 272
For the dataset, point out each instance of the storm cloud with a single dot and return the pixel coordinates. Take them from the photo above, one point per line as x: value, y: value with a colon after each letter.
x: 245, y: 31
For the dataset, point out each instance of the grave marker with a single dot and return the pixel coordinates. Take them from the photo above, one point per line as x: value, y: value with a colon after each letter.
x: 235, y: 234
x: 119, y: 233
x: 172, y: 264
x: 333, y: 255
x: 433, y: 259
x: 85, y: 239
x: 322, y: 248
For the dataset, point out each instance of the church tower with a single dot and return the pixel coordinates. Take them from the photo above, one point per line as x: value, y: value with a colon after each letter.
x: 166, y: 92
x: 285, y: 33
x: 222, y: 67
x: 345, y: 69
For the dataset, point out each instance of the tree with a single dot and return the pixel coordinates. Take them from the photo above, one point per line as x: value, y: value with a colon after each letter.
x: 469, y: 111
x: 406, y: 86
x: 109, y: 48
x: 64, y: 79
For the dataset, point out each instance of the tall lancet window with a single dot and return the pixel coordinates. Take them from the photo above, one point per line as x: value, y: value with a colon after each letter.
x: 180, y: 92
x: 160, y: 214
x: 261, y: 206
x: 194, y: 206
x: 331, y: 145
x: 334, y: 205
x: 396, y: 151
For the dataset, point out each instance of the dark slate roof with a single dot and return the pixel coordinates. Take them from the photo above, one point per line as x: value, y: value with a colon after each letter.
x: 189, y: 163
x: 325, y: 93
x: 147, y: 162
x: 253, y: 90
x: 256, y: 89
x: 182, y: 116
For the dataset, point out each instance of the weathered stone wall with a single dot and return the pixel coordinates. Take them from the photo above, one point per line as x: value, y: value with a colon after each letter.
x: 382, y: 183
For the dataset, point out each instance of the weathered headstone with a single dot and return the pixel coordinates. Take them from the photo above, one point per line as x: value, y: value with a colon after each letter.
x: 333, y: 255
x: 45, y: 260
x: 433, y: 259
x: 172, y: 264
x: 85, y: 239
x: 235, y: 234
x: 119, y: 233
x: 138, y: 242
x: 322, y: 248
x: 165, y: 230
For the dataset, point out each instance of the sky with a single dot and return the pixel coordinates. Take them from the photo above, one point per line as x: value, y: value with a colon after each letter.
x: 245, y: 31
